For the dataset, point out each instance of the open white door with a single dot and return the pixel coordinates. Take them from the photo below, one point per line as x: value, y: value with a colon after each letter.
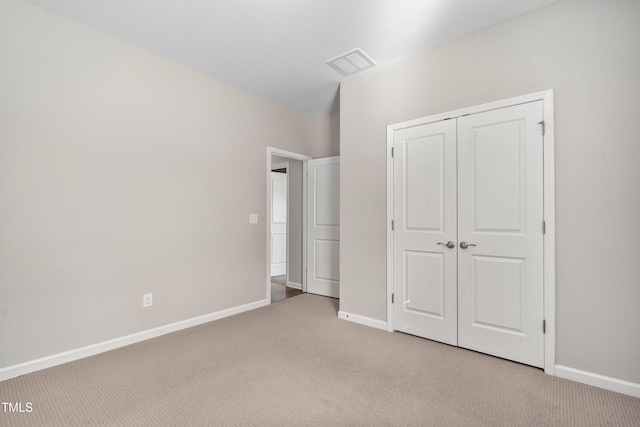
x: 278, y: 223
x: 323, y: 226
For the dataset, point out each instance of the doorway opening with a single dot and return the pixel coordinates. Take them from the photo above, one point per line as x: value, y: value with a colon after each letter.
x: 279, y: 206
x: 280, y: 175
x: 286, y: 232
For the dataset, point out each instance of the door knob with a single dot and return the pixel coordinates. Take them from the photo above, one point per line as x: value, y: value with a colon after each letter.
x: 465, y: 245
x: 449, y: 244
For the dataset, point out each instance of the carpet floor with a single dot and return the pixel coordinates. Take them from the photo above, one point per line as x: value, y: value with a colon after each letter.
x: 295, y: 363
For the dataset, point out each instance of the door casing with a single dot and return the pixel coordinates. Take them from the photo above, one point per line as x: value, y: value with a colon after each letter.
x: 548, y: 201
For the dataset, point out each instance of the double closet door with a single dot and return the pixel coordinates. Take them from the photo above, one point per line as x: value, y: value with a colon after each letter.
x: 468, y: 234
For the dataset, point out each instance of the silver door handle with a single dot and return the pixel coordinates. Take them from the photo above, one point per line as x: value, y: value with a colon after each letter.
x: 465, y: 245
x: 449, y: 244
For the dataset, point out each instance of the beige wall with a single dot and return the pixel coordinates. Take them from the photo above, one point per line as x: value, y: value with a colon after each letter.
x: 115, y: 181
x: 325, y: 135
x: 589, y: 53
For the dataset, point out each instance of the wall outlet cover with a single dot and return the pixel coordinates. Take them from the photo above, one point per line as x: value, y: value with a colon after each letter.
x: 147, y: 300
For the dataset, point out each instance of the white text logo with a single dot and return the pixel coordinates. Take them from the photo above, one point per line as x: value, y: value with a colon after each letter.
x: 17, y: 407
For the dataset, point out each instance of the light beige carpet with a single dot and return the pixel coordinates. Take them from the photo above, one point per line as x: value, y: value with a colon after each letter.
x: 294, y: 363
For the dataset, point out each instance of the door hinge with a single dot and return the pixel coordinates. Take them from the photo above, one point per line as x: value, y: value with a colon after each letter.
x: 392, y: 153
x: 544, y: 227
x: 392, y: 298
x: 393, y: 225
x: 543, y: 126
x: 544, y: 326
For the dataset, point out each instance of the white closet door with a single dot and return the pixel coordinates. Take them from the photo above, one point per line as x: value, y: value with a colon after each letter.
x: 425, y: 221
x: 323, y: 226
x: 500, y: 213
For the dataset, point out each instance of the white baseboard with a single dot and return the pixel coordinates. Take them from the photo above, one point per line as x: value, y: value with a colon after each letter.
x: 91, y: 350
x: 294, y: 285
x: 597, y: 380
x: 363, y: 320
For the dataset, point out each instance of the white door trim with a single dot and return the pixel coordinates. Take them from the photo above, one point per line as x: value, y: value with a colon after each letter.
x: 549, y: 240
x: 290, y: 155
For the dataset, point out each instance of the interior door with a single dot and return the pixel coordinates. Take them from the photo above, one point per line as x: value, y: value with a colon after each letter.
x: 278, y: 223
x: 425, y: 236
x: 500, y: 213
x: 323, y: 226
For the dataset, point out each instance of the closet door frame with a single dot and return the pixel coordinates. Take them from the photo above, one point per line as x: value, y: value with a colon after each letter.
x: 549, y: 238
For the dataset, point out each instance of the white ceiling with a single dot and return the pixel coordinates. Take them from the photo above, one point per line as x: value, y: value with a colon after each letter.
x: 277, y: 49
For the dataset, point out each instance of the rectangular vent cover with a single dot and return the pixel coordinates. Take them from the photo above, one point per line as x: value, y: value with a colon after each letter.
x: 351, y: 62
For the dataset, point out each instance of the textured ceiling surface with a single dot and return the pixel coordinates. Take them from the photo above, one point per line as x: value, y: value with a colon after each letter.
x: 277, y: 49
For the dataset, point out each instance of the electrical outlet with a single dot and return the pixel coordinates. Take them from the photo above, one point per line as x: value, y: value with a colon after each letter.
x: 253, y: 218
x: 147, y: 300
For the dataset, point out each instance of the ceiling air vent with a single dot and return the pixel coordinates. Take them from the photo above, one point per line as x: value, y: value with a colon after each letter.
x: 351, y: 62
